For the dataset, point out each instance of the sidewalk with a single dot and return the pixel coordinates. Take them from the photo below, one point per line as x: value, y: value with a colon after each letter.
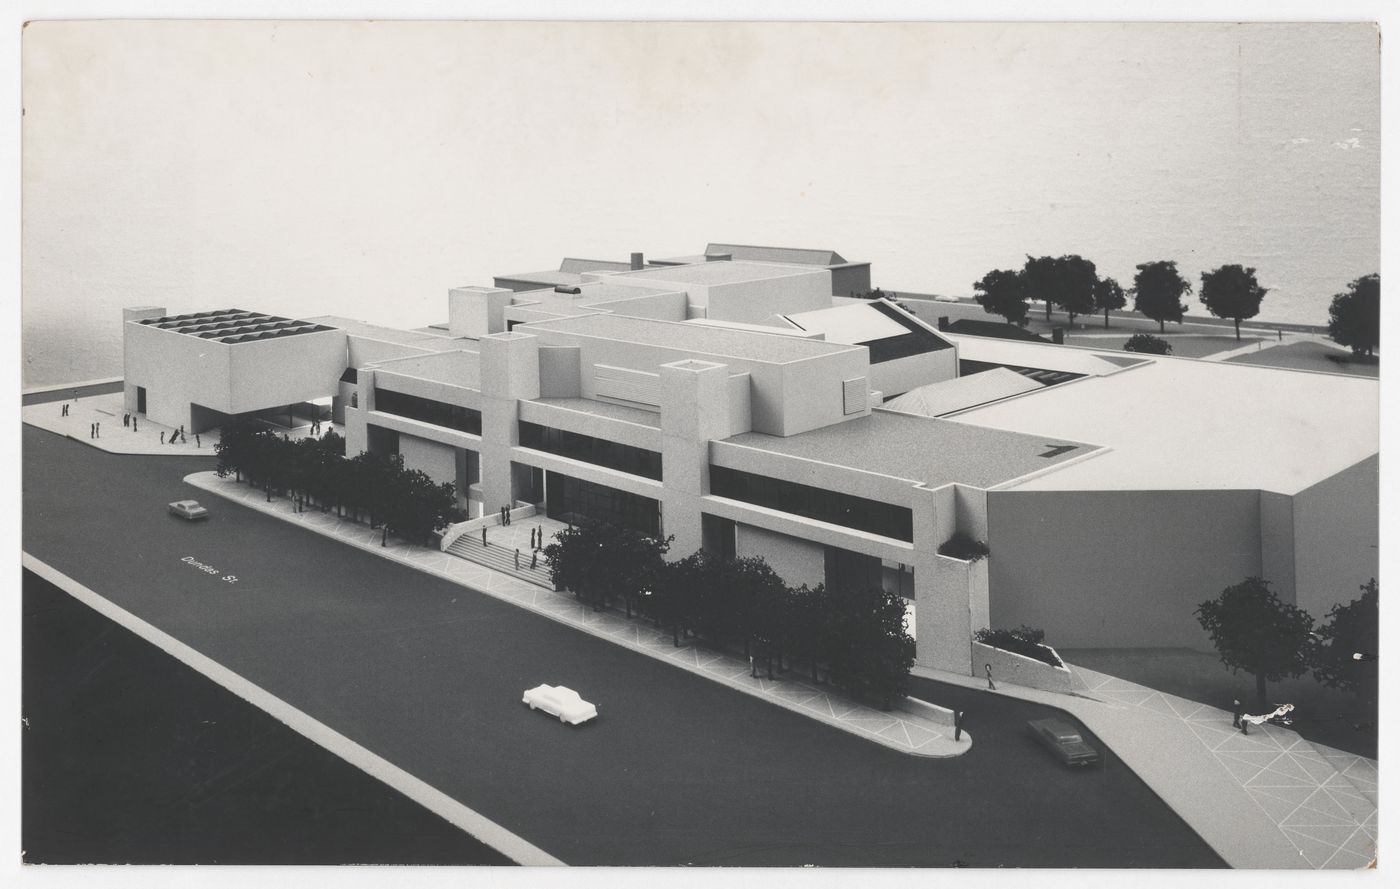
x: 903, y: 731
x: 1268, y: 800
x: 115, y: 438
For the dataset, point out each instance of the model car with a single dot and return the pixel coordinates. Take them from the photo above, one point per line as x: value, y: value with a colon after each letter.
x: 189, y: 510
x: 1064, y: 741
x: 556, y: 700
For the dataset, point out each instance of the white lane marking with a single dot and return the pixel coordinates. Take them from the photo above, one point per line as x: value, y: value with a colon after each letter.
x: 479, y: 826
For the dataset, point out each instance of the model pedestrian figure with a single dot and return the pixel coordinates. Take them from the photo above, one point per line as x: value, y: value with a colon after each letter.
x: 92, y: 430
x: 196, y: 441
x: 134, y: 427
x: 992, y: 686
x: 483, y: 535
x: 98, y: 427
x: 1238, y: 710
x: 517, y: 558
x: 162, y: 436
x: 533, y: 556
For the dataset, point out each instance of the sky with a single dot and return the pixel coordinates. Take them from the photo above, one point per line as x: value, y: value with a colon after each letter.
x: 363, y: 169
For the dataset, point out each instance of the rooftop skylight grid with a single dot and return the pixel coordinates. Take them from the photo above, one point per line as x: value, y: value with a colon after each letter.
x: 234, y: 325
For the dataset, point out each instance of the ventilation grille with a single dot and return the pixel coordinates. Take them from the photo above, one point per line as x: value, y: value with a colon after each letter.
x: 623, y: 384
x: 856, y: 395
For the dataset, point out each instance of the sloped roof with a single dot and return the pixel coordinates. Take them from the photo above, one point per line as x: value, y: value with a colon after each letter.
x: 938, y: 399
x: 777, y: 254
x: 579, y: 266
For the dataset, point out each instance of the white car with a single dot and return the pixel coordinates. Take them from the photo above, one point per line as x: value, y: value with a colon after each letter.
x: 189, y: 510
x: 556, y: 700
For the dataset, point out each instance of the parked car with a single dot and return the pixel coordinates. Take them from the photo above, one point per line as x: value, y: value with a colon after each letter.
x: 189, y: 510
x: 1064, y: 741
x: 556, y: 700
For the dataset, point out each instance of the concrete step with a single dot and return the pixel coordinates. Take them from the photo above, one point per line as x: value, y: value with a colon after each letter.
x: 501, y: 559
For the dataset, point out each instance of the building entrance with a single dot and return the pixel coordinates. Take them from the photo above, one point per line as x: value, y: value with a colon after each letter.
x: 569, y: 499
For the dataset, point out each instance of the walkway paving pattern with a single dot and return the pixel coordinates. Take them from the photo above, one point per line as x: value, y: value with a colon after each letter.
x: 1322, y: 799
x: 900, y: 730
x: 1267, y: 800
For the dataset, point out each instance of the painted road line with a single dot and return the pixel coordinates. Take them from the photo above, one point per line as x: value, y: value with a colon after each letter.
x: 474, y: 823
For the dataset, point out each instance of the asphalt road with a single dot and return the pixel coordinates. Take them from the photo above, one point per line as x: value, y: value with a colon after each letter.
x: 131, y: 757
x: 676, y: 769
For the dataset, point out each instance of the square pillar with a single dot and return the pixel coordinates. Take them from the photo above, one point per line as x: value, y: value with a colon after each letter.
x: 477, y: 311
x: 694, y: 410
x: 510, y: 373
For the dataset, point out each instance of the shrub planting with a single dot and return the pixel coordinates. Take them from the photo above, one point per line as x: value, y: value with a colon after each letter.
x: 1023, y: 640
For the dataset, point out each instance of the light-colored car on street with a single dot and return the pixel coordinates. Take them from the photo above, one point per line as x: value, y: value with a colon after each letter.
x: 189, y: 510
x: 556, y: 700
x: 1064, y: 741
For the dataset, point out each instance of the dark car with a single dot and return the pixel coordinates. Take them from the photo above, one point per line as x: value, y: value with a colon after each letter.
x: 1064, y: 741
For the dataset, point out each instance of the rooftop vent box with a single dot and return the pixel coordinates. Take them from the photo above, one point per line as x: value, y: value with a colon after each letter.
x: 565, y: 289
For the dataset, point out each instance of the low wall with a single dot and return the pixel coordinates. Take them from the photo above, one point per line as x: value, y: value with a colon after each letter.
x: 931, y: 712
x: 449, y: 535
x: 1007, y: 666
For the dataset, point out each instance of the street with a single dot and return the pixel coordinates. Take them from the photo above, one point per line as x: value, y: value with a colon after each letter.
x: 675, y: 770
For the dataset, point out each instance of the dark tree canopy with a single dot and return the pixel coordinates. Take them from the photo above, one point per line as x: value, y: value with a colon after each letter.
x: 598, y: 561
x: 1349, y: 641
x: 1255, y: 631
x: 1232, y: 291
x: 1108, y: 297
x: 1147, y: 344
x: 1157, y: 291
x: 1354, y: 318
x: 1000, y: 292
x: 1064, y: 281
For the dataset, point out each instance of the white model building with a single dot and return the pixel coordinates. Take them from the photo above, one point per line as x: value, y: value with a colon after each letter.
x: 738, y: 402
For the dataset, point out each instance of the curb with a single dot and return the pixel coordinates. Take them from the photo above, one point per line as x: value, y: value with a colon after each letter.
x: 200, y: 480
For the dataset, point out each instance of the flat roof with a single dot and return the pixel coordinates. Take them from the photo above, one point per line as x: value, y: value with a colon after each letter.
x: 234, y: 326
x: 606, y: 409
x: 922, y: 449
x: 456, y: 368
x: 719, y: 272
x: 424, y: 340
x: 1181, y: 423
x: 699, y: 339
x: 590, y: 292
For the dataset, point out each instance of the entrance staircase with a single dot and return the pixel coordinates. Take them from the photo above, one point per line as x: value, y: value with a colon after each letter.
x: 502, y: 559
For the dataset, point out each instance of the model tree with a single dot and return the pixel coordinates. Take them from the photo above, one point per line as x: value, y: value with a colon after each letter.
x: 1253, y: 630
x: 1064, y: 281
x: 1147, y: 344
x: 1000, y: 292
x: 1108, y: 297
x: 598, y: 561
x: 869, y: 651
x: 1233, y: 292
x: 1157, y: 291
x: 1346, y: 654
x: 1354, y: 318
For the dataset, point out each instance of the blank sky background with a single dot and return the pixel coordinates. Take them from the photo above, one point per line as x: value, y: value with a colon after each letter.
x: 363, y: 169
